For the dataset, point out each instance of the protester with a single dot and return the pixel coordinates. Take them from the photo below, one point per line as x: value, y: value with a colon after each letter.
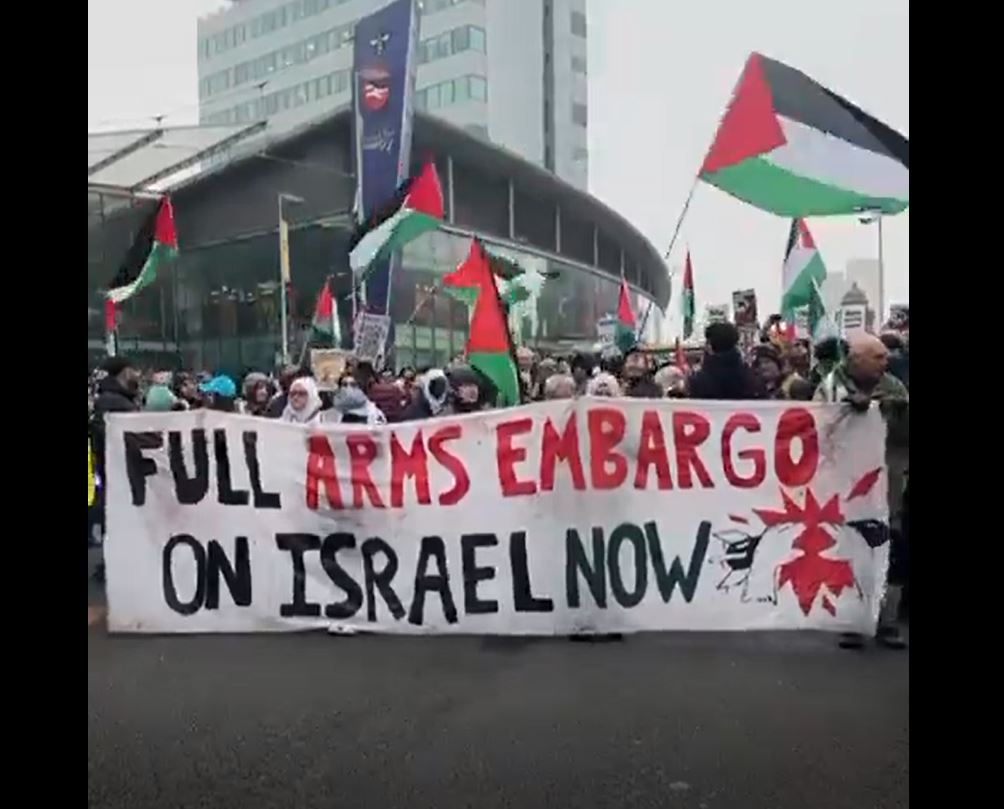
x: 468, y: 390
x: 768, y: 367
x: 827, y: 353
x: 303, y: 402
x: 257, y: 391
x: 434, y: 390
x: 277, y: 406
x: 186, y: 391
x: 582, y: 367
x: 860, y: 380
x: 159, y: 399
x: 388, y: 397
x: 899, y: 356
x: 637, y: 377
x: 672, y: 381
x: 220, y: 393
x: 546, y: 368
x: 559, y: 386
x: 118, y: 392
x: 723, y: 374
x: 350, y: 406
x: 603, y: 384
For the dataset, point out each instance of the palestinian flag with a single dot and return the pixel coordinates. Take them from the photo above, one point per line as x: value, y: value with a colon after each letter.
x: 792, y: 147
x: 821, y: 326
x: 625, y: 336
x: 155, y: 244
x: 803, y: 268
x: 489, y: 349
x: 687, y: 298
x: 325, y: 322
x: 417, y: 208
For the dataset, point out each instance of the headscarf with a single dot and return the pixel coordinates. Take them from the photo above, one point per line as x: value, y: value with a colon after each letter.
x: 159, y: 399
x: 352, y: 405
x: 603, y: 384
x: 310, y: 409
x: 436, y: 403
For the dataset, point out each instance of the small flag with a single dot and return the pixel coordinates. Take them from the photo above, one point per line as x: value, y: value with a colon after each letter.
x: 625, y: 336
x: 155, y: 244
x: 489, y: 347
x: 803, y: 269
x: 324, y: 311
x: 687, y: 298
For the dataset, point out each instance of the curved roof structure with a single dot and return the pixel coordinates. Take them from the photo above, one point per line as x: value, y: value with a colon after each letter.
x: 214, y: 155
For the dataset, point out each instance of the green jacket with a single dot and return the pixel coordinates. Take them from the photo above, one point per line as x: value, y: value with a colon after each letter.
x: 891, y: 394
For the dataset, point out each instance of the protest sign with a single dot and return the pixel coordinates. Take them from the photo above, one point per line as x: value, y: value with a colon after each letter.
x: 588, y: 515
x: 716, y: 313
x: 744, y: 308
x: 328, y: 365
x: 370, y: 337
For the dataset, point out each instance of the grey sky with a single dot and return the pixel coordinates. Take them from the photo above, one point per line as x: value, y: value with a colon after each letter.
x: 660, y: 74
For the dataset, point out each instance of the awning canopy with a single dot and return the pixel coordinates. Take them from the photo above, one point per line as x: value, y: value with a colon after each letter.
x: 153, y: 160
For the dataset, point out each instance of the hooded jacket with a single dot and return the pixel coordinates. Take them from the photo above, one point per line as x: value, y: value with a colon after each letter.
x: 724, y: 376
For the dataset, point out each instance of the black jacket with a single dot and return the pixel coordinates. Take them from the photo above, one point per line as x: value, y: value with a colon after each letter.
x: 724, y: 376
x: 112, y: 398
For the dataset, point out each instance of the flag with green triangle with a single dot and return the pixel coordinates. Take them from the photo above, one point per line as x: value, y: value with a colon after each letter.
x: 325, y: 320
x: 790, y: 146
x: 154, y: 245
x: 687, y: 298
x: 416, y: 208
x: 625, y: 333
x: 803, y: 269
x: 489, y: 348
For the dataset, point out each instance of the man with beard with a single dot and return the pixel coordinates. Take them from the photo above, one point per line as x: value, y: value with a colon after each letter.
x: 118, y: 392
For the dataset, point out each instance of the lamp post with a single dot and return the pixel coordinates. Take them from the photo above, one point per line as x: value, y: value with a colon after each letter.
x: 869, y: 217
x: 284, y: 271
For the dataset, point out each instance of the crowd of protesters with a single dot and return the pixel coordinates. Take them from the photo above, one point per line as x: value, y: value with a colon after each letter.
x: 857, y: 372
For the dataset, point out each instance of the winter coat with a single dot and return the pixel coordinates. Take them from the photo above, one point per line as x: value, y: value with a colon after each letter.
x: 724, y: 376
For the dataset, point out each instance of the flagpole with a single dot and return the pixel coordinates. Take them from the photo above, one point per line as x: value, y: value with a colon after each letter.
x: 679, y: 221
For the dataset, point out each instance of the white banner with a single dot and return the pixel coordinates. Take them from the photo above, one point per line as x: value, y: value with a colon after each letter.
x: 592, y: 515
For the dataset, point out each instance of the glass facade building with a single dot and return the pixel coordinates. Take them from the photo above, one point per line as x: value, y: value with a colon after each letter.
x: 216, y: 307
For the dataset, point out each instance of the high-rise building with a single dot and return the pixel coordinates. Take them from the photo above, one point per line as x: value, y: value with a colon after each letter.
x: 511, y: 71
x: 864, y: 272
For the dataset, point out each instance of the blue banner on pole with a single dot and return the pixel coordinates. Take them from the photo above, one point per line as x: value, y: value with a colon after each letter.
x: 383, y: 93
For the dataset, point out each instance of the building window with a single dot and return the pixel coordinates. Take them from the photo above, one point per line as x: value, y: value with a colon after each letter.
x: 578, y: 23
x: 579, y: 65
x: 478, y: 88
x: 580, y: 114
x: 478, y: 39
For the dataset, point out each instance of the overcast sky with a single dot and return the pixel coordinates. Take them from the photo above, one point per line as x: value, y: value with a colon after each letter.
x: 660, y: 75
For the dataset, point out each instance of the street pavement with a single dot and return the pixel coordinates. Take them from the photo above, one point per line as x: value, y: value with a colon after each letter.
x: 688, y: 720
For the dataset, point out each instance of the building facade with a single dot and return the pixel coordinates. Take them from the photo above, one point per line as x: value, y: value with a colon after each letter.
x: 511, y: 71
x: 216, y: 306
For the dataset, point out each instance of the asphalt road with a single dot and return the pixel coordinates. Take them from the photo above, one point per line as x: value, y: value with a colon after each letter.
x: 778, y: 721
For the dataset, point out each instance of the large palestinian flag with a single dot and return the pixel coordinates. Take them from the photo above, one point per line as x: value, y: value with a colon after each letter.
x: 155, y: 244
x: 416, y: 209
x: 489, y: 348
x: 803, y: 269
x: 792, y: 147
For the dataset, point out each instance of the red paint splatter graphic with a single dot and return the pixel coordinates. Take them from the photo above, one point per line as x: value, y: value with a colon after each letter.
x: 809, y: 572
x: 864, y: 485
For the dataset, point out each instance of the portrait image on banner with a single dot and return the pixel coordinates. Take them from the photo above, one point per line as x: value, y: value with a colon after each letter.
x: 384, y: 65
x: 744, y: 309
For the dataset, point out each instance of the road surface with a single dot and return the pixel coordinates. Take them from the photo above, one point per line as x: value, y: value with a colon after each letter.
x: 743, y: 721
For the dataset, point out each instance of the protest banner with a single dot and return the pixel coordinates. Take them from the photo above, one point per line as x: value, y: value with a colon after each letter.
x: 588, y: 515
x: 328, y: 364
x: 716, y: 313
x: 370, y: 337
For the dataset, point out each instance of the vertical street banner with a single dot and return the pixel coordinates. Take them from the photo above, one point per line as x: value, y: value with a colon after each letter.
x: 383, y: 70
x: 574, y: 516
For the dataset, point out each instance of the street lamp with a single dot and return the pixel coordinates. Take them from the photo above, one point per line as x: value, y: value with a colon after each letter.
x: 869, y: 217
x: 284, y: 270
